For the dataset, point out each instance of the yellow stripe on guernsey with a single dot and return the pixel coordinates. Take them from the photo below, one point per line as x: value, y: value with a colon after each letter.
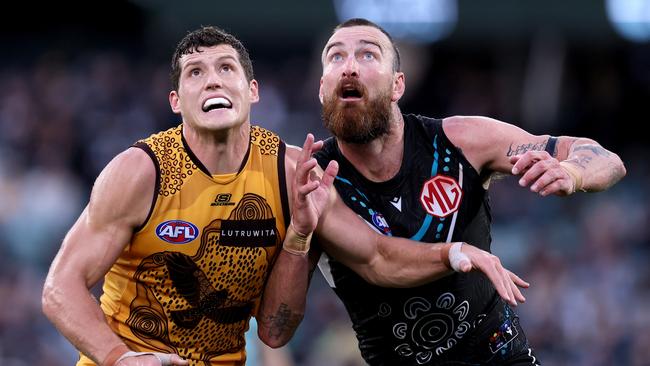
x: 193, y: 275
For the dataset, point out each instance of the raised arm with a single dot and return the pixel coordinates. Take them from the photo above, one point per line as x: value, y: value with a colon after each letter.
x: 283, y: 303
x: 549, y: 165
x: 119, y: 202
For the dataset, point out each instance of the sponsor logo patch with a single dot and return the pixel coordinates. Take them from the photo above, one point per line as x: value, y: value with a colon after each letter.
x: 380, y: 223
x: 177, y: 231
x: 222, y: 199
x: 441, y: 195
x: 504, y: 335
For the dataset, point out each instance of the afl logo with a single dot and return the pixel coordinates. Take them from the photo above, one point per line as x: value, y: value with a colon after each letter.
x: 380, y: 222
x: 441, y: 196
x: 177, y: 231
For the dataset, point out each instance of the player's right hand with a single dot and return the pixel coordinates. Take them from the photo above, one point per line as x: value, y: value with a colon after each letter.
x: 505, y: 282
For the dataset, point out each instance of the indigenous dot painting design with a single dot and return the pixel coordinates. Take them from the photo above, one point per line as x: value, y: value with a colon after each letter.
x: 430, y: 327
x: 172, y: 157
x: 199, y: 305
x: 268, y: 142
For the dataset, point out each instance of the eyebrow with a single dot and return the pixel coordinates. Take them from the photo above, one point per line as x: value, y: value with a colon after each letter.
x: 199, y: 62
x: 362, y: 41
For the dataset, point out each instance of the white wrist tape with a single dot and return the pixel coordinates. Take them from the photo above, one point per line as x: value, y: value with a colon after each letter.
x: 456, y: 256
x: 164, y: 358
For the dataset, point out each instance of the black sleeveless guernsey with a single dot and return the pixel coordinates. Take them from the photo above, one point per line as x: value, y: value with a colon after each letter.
x: 437, y: 196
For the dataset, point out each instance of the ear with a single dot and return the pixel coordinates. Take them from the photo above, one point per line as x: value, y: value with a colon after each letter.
x: 175, y: 102
x: 320, y: 91
x: 254, y: 91
x: 399, y: 85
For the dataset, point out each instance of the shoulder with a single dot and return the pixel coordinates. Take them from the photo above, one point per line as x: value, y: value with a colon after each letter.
x: 477, y: 137
x: 267, y: 141
x: 457, y: 127
x: 292, y: 153
x: 124, y: 189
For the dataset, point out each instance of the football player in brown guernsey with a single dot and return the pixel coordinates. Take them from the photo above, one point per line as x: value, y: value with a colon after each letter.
x: 426, y: 179
x: 197, y: 228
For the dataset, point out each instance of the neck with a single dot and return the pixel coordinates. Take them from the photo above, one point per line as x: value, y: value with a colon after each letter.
x: 221, y: 152
x: 380, y: 159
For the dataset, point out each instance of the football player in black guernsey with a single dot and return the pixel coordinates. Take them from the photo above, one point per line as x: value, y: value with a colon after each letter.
x: 426, y: 179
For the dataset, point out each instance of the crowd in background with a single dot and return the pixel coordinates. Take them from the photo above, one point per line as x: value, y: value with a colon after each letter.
x: 64, y: 115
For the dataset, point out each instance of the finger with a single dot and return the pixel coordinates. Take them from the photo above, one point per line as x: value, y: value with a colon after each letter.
x: 308, y: 165
x: 561, y: 187
x: 496, y: 279
x: 518, y: 296
x: 317, y: 146
x: 534, y: 172
x: 302, y: 170
x: 507, y: 282
x: 527, y: 160
x: 307, y: 188
x: 514, y: 159
x: 330, y: 173
x: 306, y: 148
x: 548, y: 177
x: 517, y: 280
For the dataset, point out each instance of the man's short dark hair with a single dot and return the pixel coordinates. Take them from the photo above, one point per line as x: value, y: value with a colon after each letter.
x: 208, y: 37
x: 355, y: 22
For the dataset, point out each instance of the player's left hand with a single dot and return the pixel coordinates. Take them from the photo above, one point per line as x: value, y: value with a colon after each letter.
x: 311, y: 192
x: 543, y: 173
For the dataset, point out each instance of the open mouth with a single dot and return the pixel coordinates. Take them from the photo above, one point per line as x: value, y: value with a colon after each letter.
x: 216, y: 103
x: 351, y: 92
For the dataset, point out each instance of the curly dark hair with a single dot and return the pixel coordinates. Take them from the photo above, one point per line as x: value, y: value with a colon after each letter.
x: 208, y: 36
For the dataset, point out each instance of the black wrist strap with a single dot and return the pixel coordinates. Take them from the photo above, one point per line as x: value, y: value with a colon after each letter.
x: 550, y: 145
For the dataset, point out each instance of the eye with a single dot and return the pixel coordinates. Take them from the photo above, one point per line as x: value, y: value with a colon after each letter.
x: 226, y: 68
x: 368, y: 56
x: 195, y: 72
x: 336, y: 57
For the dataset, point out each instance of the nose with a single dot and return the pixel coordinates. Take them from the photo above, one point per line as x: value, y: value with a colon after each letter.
x: 351, y: 67
x: 213, y: 81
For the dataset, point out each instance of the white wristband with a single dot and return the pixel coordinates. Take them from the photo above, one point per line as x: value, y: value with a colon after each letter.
x: 164, y: 358
x: 456, y: 256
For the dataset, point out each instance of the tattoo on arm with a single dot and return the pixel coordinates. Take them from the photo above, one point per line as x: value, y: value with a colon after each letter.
x: 284, y: 320
x: 520, y: 149
x: 580, y: 161
x: 597, y: 150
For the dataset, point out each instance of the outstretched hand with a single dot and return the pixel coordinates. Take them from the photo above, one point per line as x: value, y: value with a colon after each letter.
x: 543, y: 173
x: 311, y: 193
x: 505, y: 282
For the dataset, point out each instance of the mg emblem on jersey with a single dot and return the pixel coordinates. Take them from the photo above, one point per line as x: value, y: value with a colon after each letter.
x: 222, y: 199
x: 441, y: 196
x: 177, y: 231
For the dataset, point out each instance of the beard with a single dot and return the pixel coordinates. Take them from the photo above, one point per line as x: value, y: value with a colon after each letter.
x: 359, y: 122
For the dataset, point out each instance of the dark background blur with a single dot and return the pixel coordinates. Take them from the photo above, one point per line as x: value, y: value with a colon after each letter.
x: 79, y: 83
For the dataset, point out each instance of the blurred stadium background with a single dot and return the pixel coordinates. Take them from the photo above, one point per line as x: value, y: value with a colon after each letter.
x: 79, y: 82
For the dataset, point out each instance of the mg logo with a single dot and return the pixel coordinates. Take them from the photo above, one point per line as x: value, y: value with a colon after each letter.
x: 441, y: 196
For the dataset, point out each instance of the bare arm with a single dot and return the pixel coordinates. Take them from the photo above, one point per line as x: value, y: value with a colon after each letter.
x: 119, y: 202
x: 497, y: 146
x: 399, y: 262
x: 283, y: 303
